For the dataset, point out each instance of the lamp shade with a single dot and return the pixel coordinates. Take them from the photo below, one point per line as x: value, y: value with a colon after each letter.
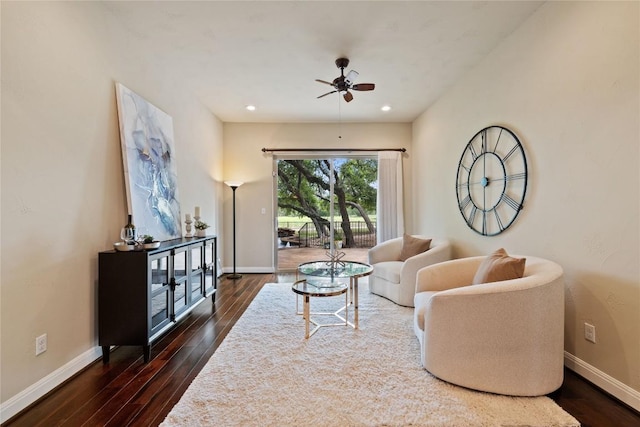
x: 234, y: 183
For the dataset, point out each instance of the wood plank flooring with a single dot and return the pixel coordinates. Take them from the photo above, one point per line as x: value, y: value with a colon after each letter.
x: 128, y: 392
x: 290, y: 258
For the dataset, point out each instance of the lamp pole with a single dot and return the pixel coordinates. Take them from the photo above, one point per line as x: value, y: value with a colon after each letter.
x: 234, y: 186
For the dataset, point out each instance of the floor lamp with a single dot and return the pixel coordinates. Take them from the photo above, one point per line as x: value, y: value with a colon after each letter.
x: 234, y: 185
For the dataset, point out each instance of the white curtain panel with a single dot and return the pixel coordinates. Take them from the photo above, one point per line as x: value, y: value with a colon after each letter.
x: 390, y: 200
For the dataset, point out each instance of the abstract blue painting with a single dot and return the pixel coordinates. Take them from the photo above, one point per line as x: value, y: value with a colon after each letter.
x: 148, y: 155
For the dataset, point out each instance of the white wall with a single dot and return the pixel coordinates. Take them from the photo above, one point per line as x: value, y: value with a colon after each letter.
x: 63, y: 197
x: 567, y: 82
x: 245, y: 161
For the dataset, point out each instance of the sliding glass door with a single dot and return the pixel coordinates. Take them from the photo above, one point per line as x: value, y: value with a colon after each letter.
x: 324, y: 204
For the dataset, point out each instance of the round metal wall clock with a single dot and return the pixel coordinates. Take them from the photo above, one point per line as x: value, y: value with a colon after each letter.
x: 492, y: 180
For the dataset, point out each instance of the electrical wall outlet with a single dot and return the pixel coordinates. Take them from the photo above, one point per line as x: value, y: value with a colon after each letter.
x: 589, y: 332
x: 41, y: 344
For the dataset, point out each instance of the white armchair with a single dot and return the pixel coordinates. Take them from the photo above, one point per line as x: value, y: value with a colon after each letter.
x: 503, y: 337
x: 396, y: 280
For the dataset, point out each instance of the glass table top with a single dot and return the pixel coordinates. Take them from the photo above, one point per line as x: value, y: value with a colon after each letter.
x: 340, y: 269
x: 319, y: 289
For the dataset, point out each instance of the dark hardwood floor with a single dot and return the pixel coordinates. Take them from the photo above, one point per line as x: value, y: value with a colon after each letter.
x: 128, y: 392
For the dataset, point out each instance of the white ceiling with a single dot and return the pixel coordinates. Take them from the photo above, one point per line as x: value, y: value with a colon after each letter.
x: 267, y: 53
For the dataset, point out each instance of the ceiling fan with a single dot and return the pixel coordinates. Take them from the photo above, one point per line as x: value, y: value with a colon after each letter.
x: 344, y: 83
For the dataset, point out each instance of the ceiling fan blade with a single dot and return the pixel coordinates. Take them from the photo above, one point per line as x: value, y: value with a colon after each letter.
x: 347, y: 96
x: 351, y: 77
x: 328, y: 93
x: 364, y: 86
x: 325, y: 82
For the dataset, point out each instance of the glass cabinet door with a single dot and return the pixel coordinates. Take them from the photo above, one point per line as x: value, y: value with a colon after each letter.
x: 181, y: 269
x: 197, y: 291
x: 180, y: 298
x: 195, y: 277
x: 159, y: 292
x: 196, y: 258
x: 210, y: 261
x: 209, y: 253
x: 180, y: 264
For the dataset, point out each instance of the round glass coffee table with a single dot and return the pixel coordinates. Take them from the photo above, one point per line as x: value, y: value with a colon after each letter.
x: 337, y: 270
x: 308, y: 289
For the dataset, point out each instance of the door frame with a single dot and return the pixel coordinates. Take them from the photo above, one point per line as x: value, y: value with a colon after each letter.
x: 324, y: 154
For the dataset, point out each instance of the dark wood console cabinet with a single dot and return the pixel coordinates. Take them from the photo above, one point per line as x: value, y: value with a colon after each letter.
x: 142, y: 294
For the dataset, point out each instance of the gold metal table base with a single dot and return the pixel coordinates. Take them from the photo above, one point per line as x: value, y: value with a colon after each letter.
x: 338, y: 270
x: 307, y: 290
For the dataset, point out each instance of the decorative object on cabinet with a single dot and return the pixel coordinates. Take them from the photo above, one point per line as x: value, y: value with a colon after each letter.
x: 123, y: 247
x: 188, y: 222
x: 198, y: 224
x: 148, y: 242
x: 146, y: 238
x: 151, y: 179
x: 201, y: 228
x: 234, y: 186
x: 492, y: 180
x: 152, y: 245
x: 128, y: 232
x: 142, y: 294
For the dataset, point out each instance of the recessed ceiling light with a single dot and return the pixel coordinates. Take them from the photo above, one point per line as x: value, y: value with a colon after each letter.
x: 251, y: 107
x: 386, y: 108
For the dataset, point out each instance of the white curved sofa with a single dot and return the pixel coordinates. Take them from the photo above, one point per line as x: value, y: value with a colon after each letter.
x: 503, y: 337
x: 396, y: 280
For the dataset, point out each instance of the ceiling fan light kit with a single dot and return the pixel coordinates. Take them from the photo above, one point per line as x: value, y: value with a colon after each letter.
x: 345, y: 83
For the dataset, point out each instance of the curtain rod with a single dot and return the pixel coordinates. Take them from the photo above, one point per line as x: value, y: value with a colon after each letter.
x: 273, y: 150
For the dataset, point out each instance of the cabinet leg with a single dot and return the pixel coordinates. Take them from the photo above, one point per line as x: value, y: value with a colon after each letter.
x: 147, y: 353
x: 105, y: 353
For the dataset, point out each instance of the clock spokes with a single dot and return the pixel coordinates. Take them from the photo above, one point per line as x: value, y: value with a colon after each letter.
x: 491, y: 180
x: 511, y: 177
x: 484, y: 181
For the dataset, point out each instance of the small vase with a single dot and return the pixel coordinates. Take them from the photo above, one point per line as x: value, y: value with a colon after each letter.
x: 201, y: 233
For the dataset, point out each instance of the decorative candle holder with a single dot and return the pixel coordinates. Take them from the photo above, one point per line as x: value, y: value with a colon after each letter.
x: 188, y: 222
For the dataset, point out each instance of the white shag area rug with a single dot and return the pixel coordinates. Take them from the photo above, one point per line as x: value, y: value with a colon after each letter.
x: 265, y: 373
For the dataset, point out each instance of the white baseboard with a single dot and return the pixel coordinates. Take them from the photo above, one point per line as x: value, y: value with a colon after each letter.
x: 35, y: 391
x: 619, y: 390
